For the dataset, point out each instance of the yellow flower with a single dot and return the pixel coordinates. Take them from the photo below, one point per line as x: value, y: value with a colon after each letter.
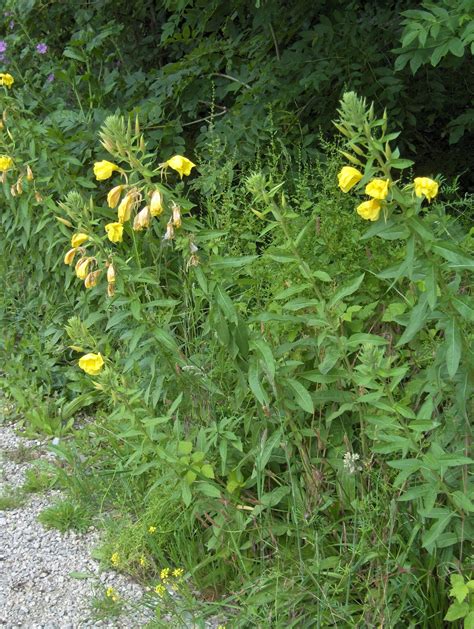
x: 156, y: 203
x: 5, y: 163
x: 115, y: 558
x: 377, y: 188
x: 114, y: 196
x: 178, y: 572
x: 104, y: 169
x: 142, y: 219
x: 29, y: 173
x: 181, y: 164
x: 142, y: 561
x: 114, y: 232
x: 92, y: 279
x: 152, y: 529
x: 165, y: 574
x: 82, y: 268
x: 370, y: 210
x: 92, y: 364
x: 348, y: 177
x: 125, y: 208
x: 424, y: 186
x: 160, y: 589
x: 78, y: 239
x: 69, y: 257
x: 111, y: 593
x: 6, y: 79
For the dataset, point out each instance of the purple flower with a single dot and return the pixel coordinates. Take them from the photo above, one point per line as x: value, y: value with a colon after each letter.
x: 42, y: 48
x: 50, y: 77
x: 3, y: 45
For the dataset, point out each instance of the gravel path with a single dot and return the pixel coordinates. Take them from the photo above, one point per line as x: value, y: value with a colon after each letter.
x: 36, y: 589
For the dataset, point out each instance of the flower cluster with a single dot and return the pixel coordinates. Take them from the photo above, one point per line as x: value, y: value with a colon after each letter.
x: 169, y: 578
x: 379, y: 189
x: 112, y: 594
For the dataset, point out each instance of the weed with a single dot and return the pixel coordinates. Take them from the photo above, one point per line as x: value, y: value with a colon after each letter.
x: 11, y: 498
x: 65, y: 515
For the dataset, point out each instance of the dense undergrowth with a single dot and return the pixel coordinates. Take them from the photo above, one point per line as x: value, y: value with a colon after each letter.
x: 276, y: 389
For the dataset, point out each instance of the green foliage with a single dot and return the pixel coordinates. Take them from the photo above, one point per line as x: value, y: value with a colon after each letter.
x: 65, y: 515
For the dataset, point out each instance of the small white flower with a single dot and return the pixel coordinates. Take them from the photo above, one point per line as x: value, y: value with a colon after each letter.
x: 350, y: 463
x: 55, y: 441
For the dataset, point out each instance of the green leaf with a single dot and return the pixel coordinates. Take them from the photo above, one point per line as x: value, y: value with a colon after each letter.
x: 469, y: 621
x: 459, y: 591
x: 466, y: 310
x: 453, y: 347
x: 322, y: 275
x: 345, y: 291
x: 302, y: 397
x: 207, y: 471
x: 184, y: 447
x: 209, y: 490
x: 266, y: 353
x: 432, y: 534
x: 454, y: 256
x: 418, y: 316
x: 255, y: 386
x: 272, y: 498
x: 456, y: 47
x: 231, y: 263
x: 462, y: 502
x: 456, y: 611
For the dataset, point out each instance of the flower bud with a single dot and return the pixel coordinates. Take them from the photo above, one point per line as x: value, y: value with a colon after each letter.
x: 156, y: 203
x: 142, y: 219
x: 114, y: 196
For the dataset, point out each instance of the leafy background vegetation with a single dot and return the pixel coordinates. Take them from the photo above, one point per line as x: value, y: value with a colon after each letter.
x: 238, y: 386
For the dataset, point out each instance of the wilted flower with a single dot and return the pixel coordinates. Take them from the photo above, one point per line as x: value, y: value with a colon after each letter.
x: 6, y: 79
x: 348, y: 177
x: 169, y: 230
x: 92, y: 364
x: 29, y: 173
x: 104, y: 169
x: 79, y: 239
x: 92, y: 279
x: 113, y: 196
x: 42, y: 48
x: 5, y: 163
x: 377, y: 188
x: 114, y: 232
x: 111, y: 273
x: 181, y: 164
x: 193, y: 248
x: 176, y: 215
x: 110, y: 289
x: 156, y: 203
x: 125, y: 208
x: 142, y: 219
x: 82, y: 268
x: 370, y: 210
x: 424, y: 186
x: 70, y: 255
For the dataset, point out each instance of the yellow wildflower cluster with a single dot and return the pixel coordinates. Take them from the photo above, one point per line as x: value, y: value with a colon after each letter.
x: 115, y: 559
x: 170, y: 578
x: 111, y: 593
x: 378, y: 189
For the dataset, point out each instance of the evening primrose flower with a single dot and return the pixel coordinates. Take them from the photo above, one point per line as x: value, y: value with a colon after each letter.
x: 125, y: 208
x: 92, y: 279
x: 424, y: 186
x: 114, y: 196
x: 181, y: 164
x: 370, y: 210
x: 82, y: 268
x: 92, y: 364
x: 70, y: 255
x: 377, y: 188
x: 114, y: 232
x: 156, y: 203
x: 78, y: 239
x: 142, y: 219
x: 348, y: 177
x: 104, y: 169
x: 5, y: 163
x: 6, y: 79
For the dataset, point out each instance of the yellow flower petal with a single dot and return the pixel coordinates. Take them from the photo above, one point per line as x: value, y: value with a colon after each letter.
x: 348, y: 177
x: 104, y: 169
x: 78, y: 239
x: 181, y: 164
x: 424, y: 186
x: 370, y: 210
x: 92, y: 364
x: 114, y: 232
x: 377, y: 188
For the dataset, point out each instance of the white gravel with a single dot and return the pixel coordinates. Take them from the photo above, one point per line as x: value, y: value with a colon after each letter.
x: 36, y: 589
